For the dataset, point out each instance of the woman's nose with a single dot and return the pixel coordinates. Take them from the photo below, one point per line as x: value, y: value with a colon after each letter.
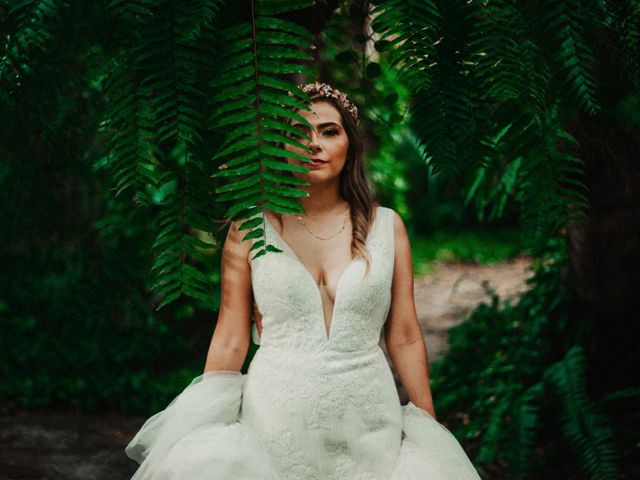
x: 313, y: 143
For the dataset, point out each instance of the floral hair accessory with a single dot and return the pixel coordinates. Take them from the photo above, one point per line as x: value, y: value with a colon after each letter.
x: 319, y: 89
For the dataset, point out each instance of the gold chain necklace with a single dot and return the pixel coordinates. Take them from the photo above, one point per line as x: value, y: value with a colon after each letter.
x: 325, y: 238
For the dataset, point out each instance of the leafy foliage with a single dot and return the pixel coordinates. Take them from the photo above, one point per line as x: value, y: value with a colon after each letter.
x: 512, y: 390
x: 479, y: 246
x: 443, y: 111
x: 31, y: 22
x: 163, y: 78
x: 77, y: 327
x: 495, y: 86
x: 157, y: 121
x: 585, y: 429
x: 253, y: 107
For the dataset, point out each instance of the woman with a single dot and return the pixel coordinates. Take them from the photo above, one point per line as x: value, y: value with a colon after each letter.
x: 319, y: 400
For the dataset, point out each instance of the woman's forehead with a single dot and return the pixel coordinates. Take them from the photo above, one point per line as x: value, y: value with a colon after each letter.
x: 321, y: 112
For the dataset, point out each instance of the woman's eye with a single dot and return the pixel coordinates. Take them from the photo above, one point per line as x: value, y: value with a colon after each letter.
x: 331, y: 132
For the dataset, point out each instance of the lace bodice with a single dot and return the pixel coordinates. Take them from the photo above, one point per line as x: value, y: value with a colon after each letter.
x: 291, y: 303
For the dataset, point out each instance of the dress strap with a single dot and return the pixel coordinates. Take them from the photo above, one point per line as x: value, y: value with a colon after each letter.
x: 387, y: 248
x: 387, y: 234
x: 389, y: 228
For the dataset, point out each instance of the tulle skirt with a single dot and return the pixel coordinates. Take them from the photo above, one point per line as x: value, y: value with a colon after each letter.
x: 201, y: 435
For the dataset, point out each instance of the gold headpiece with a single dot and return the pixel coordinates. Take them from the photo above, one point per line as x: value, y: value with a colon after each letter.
x: 319, y: 89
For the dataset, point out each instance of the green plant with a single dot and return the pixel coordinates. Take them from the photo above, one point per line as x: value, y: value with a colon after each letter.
x: 494, y: 87
x: 515, y: 373
x: 483, y: 246
x: 252, y: 106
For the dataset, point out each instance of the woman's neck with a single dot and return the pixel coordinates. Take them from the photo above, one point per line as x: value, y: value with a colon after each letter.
x: 322, y: 199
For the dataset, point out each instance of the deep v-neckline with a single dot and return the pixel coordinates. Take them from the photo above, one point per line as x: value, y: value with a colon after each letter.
x: 296, y: 258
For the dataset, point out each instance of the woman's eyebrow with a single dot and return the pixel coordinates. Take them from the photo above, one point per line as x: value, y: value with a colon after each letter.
x: 321, y: 125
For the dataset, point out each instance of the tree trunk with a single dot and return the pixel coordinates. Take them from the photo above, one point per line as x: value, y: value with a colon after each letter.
x: 604, y: 252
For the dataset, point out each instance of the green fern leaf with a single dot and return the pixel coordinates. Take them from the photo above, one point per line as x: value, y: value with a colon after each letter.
x: 573, y: 57
x: 524, y: 423
x: 586, y: 430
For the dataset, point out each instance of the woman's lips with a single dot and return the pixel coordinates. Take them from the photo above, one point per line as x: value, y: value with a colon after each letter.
x: 315, y: 163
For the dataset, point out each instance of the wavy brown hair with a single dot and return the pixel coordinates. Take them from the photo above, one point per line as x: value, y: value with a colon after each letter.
x: 354, y: 187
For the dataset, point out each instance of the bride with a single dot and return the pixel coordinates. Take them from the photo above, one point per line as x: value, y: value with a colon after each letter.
x: 319, y: 400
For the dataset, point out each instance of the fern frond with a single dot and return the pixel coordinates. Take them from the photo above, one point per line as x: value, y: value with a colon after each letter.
x: 134, y: 155
x: 542, y: 174
x: 170, y: 58
x: 586, y: 430
x: 30, y: 23
x: 252, y: 108
x: 494, y: 43
x: 506, y: 58
x: 411, y: 27
x: 132, y: 12
x: 491, y: 439
x: 618, y: 395
x: 524, y: 423
x: 178, y: 248
x: 622, y: 19
x: 573, y: 58
x: 155, y: 116
x: 429, y: 52
x: 494, y: 183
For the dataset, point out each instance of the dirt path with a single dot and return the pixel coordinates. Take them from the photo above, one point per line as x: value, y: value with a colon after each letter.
x: 62, y: 445
x: 445, y: 298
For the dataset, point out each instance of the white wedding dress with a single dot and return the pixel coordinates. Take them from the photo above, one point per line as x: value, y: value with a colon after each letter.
x: 312, y: 405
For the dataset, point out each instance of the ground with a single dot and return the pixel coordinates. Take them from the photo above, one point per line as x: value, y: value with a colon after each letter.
x: 45, y: 445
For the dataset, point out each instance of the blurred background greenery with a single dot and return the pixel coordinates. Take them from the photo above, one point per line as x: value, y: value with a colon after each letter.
x: 495, y: 129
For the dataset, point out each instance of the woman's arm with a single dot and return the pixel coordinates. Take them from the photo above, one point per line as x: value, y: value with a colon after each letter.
x: 230, y: 341
x: 403, y: 334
